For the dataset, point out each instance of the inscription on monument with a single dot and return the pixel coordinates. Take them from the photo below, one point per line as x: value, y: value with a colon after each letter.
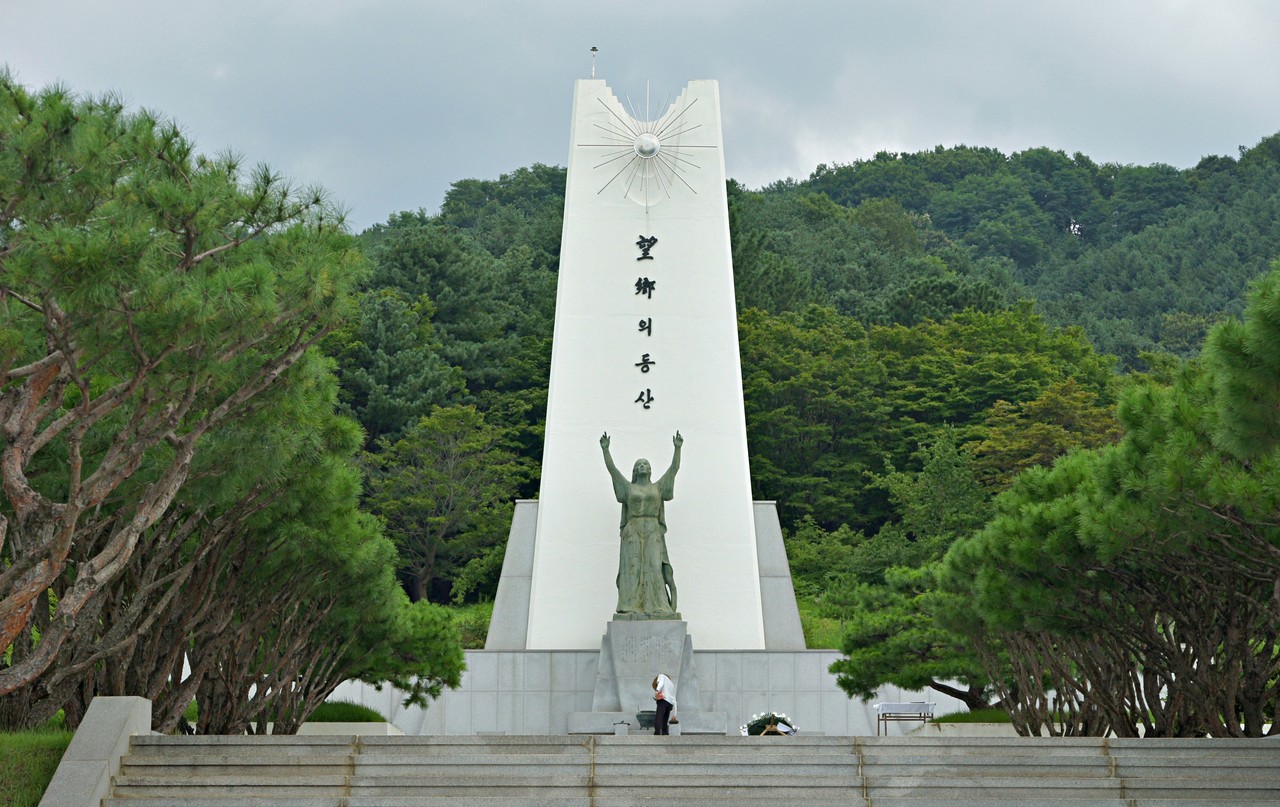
x: 643, y: 648
x: 645, y: 286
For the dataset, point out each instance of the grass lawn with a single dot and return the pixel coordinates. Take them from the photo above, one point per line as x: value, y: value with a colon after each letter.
x: 344, y: 712
x: 820, y: 632
x: 27, y: 762
x: 976, y: 716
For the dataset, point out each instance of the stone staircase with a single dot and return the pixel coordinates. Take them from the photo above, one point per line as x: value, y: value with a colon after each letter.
x: 608, y: 771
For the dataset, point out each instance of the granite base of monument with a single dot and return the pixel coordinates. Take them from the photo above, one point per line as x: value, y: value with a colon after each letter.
x: 631, y: 654
x: 533, y: 692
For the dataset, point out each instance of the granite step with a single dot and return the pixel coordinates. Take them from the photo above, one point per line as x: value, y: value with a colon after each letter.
x: 614, y: 771
x: 497, y: 801
x: 942, y: 788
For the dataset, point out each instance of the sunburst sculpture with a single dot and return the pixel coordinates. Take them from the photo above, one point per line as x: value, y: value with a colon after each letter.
x: 645, y: 159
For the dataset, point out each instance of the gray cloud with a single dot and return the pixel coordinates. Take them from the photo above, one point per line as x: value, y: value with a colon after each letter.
x: 387, y: 102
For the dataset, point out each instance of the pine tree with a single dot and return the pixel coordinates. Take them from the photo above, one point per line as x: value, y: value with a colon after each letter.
x: 150, y: 294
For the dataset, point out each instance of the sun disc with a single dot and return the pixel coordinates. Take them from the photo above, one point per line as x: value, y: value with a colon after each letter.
x: 647, y: 145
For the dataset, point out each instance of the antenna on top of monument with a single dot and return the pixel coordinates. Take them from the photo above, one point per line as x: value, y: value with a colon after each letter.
x: 594, y: 51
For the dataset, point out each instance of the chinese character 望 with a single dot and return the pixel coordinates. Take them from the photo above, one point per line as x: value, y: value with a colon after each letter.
x: 646, y: 244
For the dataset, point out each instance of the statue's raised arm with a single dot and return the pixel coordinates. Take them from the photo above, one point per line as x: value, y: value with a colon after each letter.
x: 620, y: 483
x: 667, y: 484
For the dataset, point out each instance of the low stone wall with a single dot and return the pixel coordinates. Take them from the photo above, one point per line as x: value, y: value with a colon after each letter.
x: 535, y: 691
x: 83, y: 778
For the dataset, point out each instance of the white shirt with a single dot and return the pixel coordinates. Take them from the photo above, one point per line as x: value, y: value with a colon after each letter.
x: 667, y: 688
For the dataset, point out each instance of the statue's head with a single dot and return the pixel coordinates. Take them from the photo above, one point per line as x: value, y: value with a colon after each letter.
x: 641, y: 468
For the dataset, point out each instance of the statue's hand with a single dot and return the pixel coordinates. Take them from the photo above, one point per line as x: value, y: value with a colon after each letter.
x: 604, y: 441
x: 678, y: 440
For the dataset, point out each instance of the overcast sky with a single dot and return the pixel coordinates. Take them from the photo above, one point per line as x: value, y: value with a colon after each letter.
x: 387, y: 102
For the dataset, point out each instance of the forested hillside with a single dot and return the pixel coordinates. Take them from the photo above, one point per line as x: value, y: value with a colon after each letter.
x: 1144, y: 258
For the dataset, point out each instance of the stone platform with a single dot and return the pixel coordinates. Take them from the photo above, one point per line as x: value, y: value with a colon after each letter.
x: 536, y: 691
x: 508, y: 689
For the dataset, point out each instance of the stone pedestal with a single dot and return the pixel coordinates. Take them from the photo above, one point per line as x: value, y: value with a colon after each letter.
x: 631, y: 654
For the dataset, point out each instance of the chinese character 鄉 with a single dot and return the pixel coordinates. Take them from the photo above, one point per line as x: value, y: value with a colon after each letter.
x: 646, y: 286
x: 644, y: 398
x: 644, y: 363
x: 646, y: 244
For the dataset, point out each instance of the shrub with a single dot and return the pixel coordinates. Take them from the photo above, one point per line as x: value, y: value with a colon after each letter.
x: 344, y: 712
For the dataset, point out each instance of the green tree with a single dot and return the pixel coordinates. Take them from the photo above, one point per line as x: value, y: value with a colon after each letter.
x: 262, y: 575
x: 810, y: 387
x: 445, y: 491
x: 939, y: 297
x: 875, y: 258
x: 941, y: 500
x: 761, y: 279
x: 1136, y: 255
x: 1144, y: 195
x: 323, y: 606
x: 1018, y: 436
x: 900, y: 627
x: 523, y: 208
x: 1169, y: 253
x: 998, y: 215
x: 890, y: 225
x: 390, y: 364
x: 897, y: 633
x: 1065, y: 188
x: 484, y: 305
x: 1137, y: 581
x: 818, y: 558
x: 150, y: 295
x: 132, y: 633
x: 886, y: 176
x: 954, y: 370
x: 827, y: 400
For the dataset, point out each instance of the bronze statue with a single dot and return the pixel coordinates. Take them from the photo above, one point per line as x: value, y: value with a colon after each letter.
x: 646, y: 585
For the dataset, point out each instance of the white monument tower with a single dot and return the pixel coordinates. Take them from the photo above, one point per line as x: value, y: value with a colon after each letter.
x: 645, y: 344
